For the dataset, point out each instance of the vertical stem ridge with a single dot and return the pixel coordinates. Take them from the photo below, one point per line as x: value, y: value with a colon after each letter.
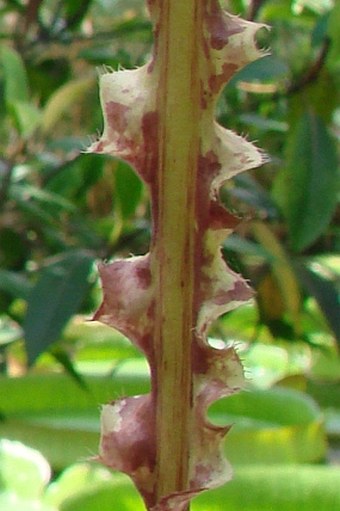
x: 173, y: 260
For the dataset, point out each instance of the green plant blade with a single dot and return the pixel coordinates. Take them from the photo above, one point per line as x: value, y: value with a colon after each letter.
x: 326, y: 294
x: 14, y: 283
x: 74, y: 479
x: 62, y: 99
x: 257, y: 488
x: 333, y: 59
x: 50, y: 412
x: 284, y: 488
x: 27, y: 116
x: 269, y: 68
x: 123, y: 497
x: 128, y: 189
x: 23, y: 471
x: 54, y: 299
x: 307, y: 188
x: 10, y: 502
x: 276, y: 426
x: 273, y: 426
x: 89, y: 486
x: 16, y: 83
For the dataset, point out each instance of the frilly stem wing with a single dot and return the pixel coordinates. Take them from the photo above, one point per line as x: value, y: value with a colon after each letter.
x: 160, y: 118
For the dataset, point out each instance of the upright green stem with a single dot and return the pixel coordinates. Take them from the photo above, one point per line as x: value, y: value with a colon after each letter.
x: 173, y: 256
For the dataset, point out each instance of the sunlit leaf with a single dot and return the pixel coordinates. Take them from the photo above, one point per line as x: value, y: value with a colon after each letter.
x: 284, y: 488
x: 282, y: 268
x: 75, y: 479
x: 272, y: 426
x: 60, y: 102
x: 9, y: 501
x: 16, y: 83
x: 27, y: 116
x: 268, y: 426
x: 122, y: 494
x: 256, y: 488
x: 23, y: 471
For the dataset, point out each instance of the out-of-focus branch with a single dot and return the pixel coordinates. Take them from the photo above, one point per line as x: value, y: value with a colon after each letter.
x: 6, y: 171
x: 31, y: 13
x: 312, y: 73
x: 254, y: 8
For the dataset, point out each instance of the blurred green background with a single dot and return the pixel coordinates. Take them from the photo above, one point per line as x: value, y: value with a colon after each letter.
x: 63, y: 211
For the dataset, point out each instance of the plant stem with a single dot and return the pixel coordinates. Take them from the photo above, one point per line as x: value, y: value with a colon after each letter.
x: 173, y: 264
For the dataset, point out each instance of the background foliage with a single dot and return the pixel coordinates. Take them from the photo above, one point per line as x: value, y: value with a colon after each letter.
x: 62, y: 211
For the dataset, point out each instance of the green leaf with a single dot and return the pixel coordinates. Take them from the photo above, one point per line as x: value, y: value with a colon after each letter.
x: 76, y: 478
x: 326, y: 294
x: 49, y: 412
x: 272, y: 426
x: 64, y: 359
x: 307, y: 187
x: 128, y: 189
x: 121, y: 495
x: 248, y: 190
x: 333, y: 57
x: 14, y: 284
x: 282, y: 270
x: 48, y: 199
x: 284, y: 488
x: 27, y: 116
x: 257, y: 488
x: 75, y: 10
x: 15, y: 77
x: 277, y: 9
x: 36, y: 394
x: 9, y: 332
x: 10, y: 502
x: 236, y: 243
x: 56, y: 296
x: 23, y: 471
x: 62, y: 100
x: 269, y: 68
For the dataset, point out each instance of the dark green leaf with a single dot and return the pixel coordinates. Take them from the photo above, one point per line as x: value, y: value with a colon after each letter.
x: 75, y: 11
x: 306, y: 189
x: 236, y: 243
x: 46, y: 198
x: 263, y: 123
x: 252, y: 193
x: 14, y: 284
x: 320, y: 31
x: 326, y: 294
x: 128, y: 189
x: 63, y: 358
x: 269, y: 68
x: 56, y: 296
